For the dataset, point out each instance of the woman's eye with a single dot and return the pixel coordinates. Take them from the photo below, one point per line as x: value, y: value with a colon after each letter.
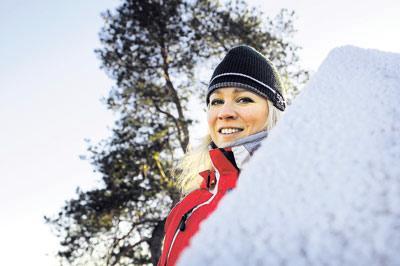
x: 217, y: 101
x: 245, y: 100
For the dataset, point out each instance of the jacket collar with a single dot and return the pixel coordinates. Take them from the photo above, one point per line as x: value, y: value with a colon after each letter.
x: 251, y: 143
x: 233, y: 156
x: 242, y: 149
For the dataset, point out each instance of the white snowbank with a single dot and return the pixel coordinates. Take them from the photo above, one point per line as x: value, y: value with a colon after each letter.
x: 324, y: 189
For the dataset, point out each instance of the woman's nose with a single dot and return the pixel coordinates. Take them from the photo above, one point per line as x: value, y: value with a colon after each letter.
x: 227, y: 111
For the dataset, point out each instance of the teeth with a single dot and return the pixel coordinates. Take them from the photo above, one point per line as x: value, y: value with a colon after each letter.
x: 229, y: 130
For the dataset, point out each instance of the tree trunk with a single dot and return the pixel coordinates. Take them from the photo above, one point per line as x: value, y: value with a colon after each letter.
x: 156, y: 242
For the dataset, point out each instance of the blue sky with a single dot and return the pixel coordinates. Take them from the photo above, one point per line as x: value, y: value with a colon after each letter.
x: 50, y: 92
x: 323, y: 25
x: 51, y: 86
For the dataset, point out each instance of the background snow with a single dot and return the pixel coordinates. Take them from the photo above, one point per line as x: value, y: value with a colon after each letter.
x: 324, y: 189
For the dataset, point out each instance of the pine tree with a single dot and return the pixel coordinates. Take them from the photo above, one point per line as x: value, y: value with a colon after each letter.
x: 151, y: 48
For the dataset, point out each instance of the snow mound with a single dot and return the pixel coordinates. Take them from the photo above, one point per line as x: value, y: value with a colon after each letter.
x: 324, y: 188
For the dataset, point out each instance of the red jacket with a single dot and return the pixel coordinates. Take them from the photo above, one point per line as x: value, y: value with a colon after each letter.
x: 184, y: 219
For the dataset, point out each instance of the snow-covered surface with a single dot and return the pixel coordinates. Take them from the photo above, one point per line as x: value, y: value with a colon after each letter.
x: 324, y: 188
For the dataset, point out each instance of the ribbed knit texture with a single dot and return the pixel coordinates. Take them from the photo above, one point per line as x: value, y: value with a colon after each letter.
x: 246, y: 68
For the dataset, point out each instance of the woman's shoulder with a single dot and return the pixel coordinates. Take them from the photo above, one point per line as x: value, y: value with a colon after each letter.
x: 188, y: 202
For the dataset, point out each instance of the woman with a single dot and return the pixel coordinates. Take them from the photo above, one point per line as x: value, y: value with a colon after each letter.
x: 244, y: 101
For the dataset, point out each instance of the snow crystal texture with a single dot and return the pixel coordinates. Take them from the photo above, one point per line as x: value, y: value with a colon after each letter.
x: 324, y: 188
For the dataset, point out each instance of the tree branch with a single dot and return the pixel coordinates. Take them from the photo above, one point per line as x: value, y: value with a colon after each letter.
x: 173, y: 119
x: 125, y: 249
x: 185, y: 141
x: 118, y: 240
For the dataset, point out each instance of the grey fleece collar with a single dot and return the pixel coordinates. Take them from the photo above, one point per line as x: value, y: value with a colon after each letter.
x: 251, y: 143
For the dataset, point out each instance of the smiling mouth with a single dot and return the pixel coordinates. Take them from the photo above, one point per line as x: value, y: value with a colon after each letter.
x: 229, y: 130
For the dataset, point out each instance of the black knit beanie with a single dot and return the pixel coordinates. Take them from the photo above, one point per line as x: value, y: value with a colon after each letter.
x: 244, y: 67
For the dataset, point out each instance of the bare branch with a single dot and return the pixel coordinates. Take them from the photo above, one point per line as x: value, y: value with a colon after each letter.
x: 176, y: 122
x: 176, y: 100
x: 118, y: 240
x: 125, y: 249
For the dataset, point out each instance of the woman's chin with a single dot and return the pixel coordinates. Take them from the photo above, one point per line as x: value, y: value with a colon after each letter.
x: 222, y: 142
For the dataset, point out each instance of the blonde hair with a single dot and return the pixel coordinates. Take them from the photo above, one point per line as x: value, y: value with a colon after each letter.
x: 198, y: 159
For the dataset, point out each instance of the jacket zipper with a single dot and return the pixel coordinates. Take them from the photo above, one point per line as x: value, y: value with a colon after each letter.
x: 181, y: 227
x: 186, y: 216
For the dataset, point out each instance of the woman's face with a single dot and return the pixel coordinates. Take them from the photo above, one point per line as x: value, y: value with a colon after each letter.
x: 235, y: 113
